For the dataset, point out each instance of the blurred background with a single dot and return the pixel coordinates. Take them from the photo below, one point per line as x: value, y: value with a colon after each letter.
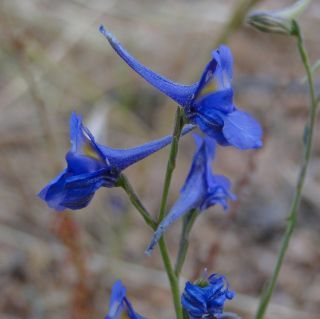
x: 53, y: 60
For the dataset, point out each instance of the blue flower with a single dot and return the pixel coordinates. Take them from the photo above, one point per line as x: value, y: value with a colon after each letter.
x: 119, y: 303
x: 208, y: 102
x: 206, y: 298
x: 201, y: 190
x: 91, y: 166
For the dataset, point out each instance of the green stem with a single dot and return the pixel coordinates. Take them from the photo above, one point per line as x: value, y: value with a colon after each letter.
x: 292, y: 220
x: 174, y: 282
x: 124, y: 183
x: 179, y: 122
x: 173, y: 279
x: 188, y: 222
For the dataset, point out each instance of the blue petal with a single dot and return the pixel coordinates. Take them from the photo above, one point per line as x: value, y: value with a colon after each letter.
x: 188, y: 200
x: 212, y: 129
x: 130, y: 311
x: 209, y: 111
x: 206, y: 83
x: 182, y: 94
x: 224, y: 70
x: 121, y: 159
x: 192, y: 194
x: 193, y: 299
x: 242, y: 130
x: 116, y: 303
x: 218, y: 192
x: 221, y: 100
x: 82, y: 141
x: 199, y: 167
x: 75, y: 191
x: 119, y: 302
x: 217, y: 74
x: 79, y: 164
x: 228, y: 315
x: 206, y: 301
x: 51, y: 193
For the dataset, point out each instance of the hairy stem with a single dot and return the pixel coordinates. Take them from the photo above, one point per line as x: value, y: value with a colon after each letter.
x: 124, y: 183
x: 188, y: 222
x: 308, y: 141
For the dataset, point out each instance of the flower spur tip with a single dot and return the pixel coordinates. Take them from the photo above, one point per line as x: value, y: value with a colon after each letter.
x: 108, y: 35
x: 148, y: 252
x: 152, y: 244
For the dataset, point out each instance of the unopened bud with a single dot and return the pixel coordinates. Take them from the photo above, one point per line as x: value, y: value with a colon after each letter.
x: 281, y: 21
x: 268, y: 22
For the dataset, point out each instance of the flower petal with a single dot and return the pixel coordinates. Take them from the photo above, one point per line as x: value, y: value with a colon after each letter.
x: 242, y: 130
x: 193, y: 300
x: 82, y: 141
x: 228, y: 315
x: 217, y: 74
x: 116, y: 304
x: 182, y: 94
x: 51, y: 193
x: 75, y: 191
x: 192, y: 193
x: 221, y: 101
x: 188, y: 200
x: 132, y: 314
x: 224, y: 70
x: 207, y: 84
x: 119, y: 302
x: 212, y: 129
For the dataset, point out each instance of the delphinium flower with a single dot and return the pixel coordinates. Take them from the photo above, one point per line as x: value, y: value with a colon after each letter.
x: 91, y: 166
x: 119, y: 303
x: 201, y: 189
x: 207, y: 103
x: 206, y: 297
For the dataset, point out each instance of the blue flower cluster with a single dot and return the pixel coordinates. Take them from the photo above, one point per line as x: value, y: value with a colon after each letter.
x: 207, y: 104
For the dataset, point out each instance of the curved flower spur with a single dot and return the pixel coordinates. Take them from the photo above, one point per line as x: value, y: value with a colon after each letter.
x: 201, y: 189
x: 91, y: 166
x: 208, y: 102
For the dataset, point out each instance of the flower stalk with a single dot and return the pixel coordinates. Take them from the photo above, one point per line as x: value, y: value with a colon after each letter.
x: 133, y: 197
x: 173, y: 279
x: 179, y: 122
x: 124, y: 183
x: 136, y: 202
x: 188, y: 222
x: 308, y: 142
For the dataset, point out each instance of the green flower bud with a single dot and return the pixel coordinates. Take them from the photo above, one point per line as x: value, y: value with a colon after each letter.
x: 271, y: 23
x: 281, y: 21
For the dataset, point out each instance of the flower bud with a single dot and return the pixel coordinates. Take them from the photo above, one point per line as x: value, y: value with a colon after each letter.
x: 271, y: 23
x: 281, y: 21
